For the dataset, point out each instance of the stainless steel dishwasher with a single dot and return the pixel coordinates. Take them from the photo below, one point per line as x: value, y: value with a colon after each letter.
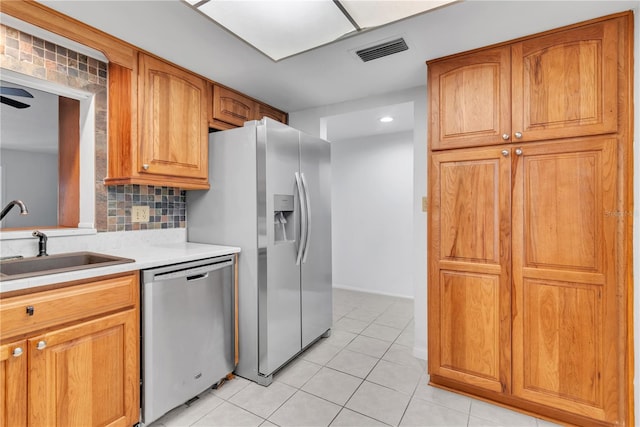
x: 188, y: 313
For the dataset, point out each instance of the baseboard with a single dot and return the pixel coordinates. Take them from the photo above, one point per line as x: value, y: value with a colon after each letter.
x: 420, y: 353
x: 368, y: 291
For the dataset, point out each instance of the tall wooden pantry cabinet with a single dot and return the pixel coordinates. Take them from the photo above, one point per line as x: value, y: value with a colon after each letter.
x: 530, y: 220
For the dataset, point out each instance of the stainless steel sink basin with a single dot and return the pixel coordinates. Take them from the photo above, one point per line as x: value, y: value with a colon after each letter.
x: 39, y: 266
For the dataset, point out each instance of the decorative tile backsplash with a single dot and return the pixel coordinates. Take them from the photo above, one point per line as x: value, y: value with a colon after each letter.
x: 33, y: 56
x: 40, y: 58
x: 167, y: 207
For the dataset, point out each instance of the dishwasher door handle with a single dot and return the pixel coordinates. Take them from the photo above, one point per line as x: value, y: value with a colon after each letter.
x: 191, y: 273
x: 197, y: 277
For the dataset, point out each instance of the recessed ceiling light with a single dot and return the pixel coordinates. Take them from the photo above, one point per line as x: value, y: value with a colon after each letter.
x: 386, y: 119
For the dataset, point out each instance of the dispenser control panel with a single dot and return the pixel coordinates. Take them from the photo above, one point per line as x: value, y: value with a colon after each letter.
x: 282, y: 202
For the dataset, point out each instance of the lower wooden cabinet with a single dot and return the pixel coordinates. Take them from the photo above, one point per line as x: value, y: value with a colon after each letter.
x: 524, y: 303
x: 13, y: 384
x: 80, y: 373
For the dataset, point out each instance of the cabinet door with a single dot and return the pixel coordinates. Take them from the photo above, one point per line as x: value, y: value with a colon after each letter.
x: 87, y: 374
x: 567, y: 353
x: 263, y: 110
x: 470, y: 99
x: 13, y: 384
x: 173, y: 121
x: 565, y: 84
x: 469, y: 288
x: 232, y: 107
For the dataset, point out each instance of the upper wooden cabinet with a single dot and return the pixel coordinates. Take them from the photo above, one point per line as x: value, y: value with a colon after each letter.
x: 470, y: 99
x: 172, y: 120
x: 554, y: 86
x: 231, y: 109
x: 263, y: 110
x: 158, y: 130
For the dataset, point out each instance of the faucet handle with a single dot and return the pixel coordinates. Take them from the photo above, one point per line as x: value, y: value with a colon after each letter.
x: 42, y: 242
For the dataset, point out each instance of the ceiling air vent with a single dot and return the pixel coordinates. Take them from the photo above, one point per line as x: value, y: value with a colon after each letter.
x: 382, y: 50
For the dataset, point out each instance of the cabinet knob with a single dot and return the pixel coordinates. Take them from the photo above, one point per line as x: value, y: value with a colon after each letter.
x: 518, y: 135
x: 505, y: 153
x: 17, y: 352
x: 519, y: 151
x: 145, y: 166
x: 30, y: 310
x: 41, y: 345
x: 505, y: 136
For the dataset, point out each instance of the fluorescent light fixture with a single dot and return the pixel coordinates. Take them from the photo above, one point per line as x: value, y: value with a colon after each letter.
x: 283, y: 28
x: 386, y: 119
x: 280, y: 28
x: 373, y: 13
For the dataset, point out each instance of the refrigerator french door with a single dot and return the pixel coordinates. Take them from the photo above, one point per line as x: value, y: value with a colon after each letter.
x: 270, y: 195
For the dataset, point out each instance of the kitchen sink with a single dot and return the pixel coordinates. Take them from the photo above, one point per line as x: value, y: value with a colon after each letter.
x: 39, y: 266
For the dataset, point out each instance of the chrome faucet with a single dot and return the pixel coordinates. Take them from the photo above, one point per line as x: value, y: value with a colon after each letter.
x: 42, y: 242
x: 6, y: 209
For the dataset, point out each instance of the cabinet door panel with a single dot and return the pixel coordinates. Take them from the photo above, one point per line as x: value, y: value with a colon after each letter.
x: 13, y: 385
x: 469, y: 326
x: 470, y: 99
x: 566, y: 350
x: 173, y: 121
x: 86, y: 375
x: 232, y: 107
x: 267, y: 111
x: 565, y: 85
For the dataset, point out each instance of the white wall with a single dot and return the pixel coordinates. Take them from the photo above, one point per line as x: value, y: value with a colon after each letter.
x: 371, y: 202
x: 312, y: 120
x: 33, y: 178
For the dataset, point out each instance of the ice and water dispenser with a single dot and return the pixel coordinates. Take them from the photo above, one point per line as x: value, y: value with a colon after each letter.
x: 283, y: 219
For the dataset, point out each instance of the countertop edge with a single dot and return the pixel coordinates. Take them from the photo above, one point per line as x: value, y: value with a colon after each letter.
x: 145, y: 256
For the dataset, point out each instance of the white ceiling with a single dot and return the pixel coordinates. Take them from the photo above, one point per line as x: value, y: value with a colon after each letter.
x: 283, y: 28
x: 332, y: 73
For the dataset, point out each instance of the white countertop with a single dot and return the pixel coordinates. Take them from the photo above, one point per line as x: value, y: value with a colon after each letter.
x: 145, y: 256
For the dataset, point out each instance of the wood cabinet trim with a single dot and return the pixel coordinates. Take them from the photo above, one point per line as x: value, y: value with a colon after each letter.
x: 35, y: 13
x: 628, y: 15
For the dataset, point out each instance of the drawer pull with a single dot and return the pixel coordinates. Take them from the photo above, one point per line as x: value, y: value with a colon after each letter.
x: 30, y: 310
x: 41, y: 345
x: 17, y: 352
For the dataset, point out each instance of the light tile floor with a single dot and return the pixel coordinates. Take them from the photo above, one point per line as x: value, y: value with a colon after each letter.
x: 364, y: 374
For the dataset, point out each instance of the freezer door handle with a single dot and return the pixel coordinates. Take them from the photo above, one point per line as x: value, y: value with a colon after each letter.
x: 303, y: 218
x: 308, y: 232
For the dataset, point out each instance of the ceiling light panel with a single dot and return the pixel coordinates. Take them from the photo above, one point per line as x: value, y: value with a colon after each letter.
x: 372, y: 13
x: 280, y: 28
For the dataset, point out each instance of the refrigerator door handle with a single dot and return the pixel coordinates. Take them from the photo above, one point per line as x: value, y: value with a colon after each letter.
x: 303, y: 218
x: 308, y: 233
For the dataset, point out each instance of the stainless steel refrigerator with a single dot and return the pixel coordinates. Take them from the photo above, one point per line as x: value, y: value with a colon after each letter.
x: 270, y: 194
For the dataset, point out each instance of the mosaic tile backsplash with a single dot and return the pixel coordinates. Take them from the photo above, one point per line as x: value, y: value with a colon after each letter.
x: 167, y: 207
x: 33, y: 56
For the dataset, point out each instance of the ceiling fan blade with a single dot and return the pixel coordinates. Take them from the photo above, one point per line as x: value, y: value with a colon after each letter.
x: 14, y: 91
x: 13, y: 102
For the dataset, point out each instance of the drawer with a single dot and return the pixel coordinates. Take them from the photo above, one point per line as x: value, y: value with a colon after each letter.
x: 66, y: 304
